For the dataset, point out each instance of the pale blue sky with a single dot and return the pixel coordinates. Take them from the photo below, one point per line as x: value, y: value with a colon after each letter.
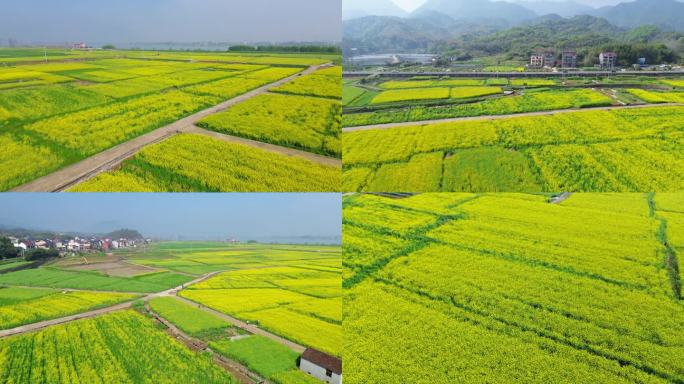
x: 128, y: 21
x: 194, y: 216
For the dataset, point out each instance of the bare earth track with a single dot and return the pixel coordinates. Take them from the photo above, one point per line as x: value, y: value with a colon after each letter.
x: 500, y: 117
x: 105, y: 161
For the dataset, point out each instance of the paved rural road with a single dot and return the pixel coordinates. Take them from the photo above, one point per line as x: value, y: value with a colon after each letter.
x: 499, y: 117
x: 111, y: 158
x: 248, y: 327
x: 99, y: 312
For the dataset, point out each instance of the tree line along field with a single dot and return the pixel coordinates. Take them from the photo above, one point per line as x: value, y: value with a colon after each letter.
x: 58, y: 113
x: 621, y: 150
x: 132, y: 345
x: 511, y: 287
x: 369, y: 103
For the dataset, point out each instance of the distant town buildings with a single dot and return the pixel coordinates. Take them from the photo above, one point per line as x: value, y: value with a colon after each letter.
x: 537, y: 61
x: 76, y: 244
x: 569, y: 59
x: 322, y: 366
x: 79, y: 46
x: 543, y: 60
x: 608, y: 60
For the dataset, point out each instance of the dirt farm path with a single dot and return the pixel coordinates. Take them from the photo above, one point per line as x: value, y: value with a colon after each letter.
x: 500, y: 117
x: 105, y: 161
x: 323, y: 160
x: 248, y: 327
x: 239, y: 371
x: 98, y: 312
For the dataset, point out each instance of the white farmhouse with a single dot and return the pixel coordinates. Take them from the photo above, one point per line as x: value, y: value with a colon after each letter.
x: 321, y: 366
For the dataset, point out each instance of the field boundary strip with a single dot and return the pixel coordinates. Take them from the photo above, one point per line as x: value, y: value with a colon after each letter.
x: 111, y: 158
x: 502, y: 117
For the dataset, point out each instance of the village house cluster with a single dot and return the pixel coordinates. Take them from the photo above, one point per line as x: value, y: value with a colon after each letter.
x: 549, y: 59
x: 65, y: 245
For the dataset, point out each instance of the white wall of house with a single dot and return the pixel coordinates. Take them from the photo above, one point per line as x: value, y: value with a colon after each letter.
x: 319, y: 372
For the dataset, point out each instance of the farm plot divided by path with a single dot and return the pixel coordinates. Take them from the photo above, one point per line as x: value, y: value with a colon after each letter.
x: 620, y: 150
x: 77, y: 110
x: 122, y: 347
x: 508, y: 287
x: 19, y: 306
x: 289, y: 294
x: 300, y: 304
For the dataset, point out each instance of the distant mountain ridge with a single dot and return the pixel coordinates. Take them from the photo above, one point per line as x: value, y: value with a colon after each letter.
x: 565, y: 8
x: 434, y: 32
x: 479, y: 10
x: 666, y: 14
x: 352, y: 9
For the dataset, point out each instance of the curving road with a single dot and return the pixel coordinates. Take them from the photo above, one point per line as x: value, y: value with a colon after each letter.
x: 105, y: 161
x: 500, y: 117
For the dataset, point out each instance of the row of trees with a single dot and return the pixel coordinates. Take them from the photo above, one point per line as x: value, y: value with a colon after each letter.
x: 289, y: 48
x: 9, y: 251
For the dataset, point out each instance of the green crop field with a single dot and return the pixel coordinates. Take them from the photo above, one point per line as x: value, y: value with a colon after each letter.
x: 260, y: 354
x: 394, y: 96
x: 512, y: 287
x: 19, y: 306
x: 58, y: 113
x: 658, y: 97
x: 432, y: 83
x: 122, y: 347
x: 294, y: 291
x: 307, y: 310
x: 56, y: 278
x: 529, y: 101
x: 186, y: 317
x: 324, y: 83
x: 300, y: 122
x: 621, y: 150
x: 197, y: 163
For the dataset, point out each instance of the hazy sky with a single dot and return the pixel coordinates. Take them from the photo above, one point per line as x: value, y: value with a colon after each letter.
x: 195, y: 216
x: 410, y: 5
x: 127, y: 21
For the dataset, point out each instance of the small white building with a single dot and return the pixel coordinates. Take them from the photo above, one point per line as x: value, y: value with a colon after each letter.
x: 322, y: 366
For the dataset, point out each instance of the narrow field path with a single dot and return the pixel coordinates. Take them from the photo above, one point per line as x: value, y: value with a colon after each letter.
x: 98, y: 312
x: 243, y: 374
x: 247, y: 327
x: 63, y: 320
x: 561, y: 198
x: 76, y: 290
x: 289, y: 152
x: 501, y: 117
x: 105, y: 161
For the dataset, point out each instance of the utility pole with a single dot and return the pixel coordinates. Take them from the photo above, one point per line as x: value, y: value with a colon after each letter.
x: 45, y: 51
